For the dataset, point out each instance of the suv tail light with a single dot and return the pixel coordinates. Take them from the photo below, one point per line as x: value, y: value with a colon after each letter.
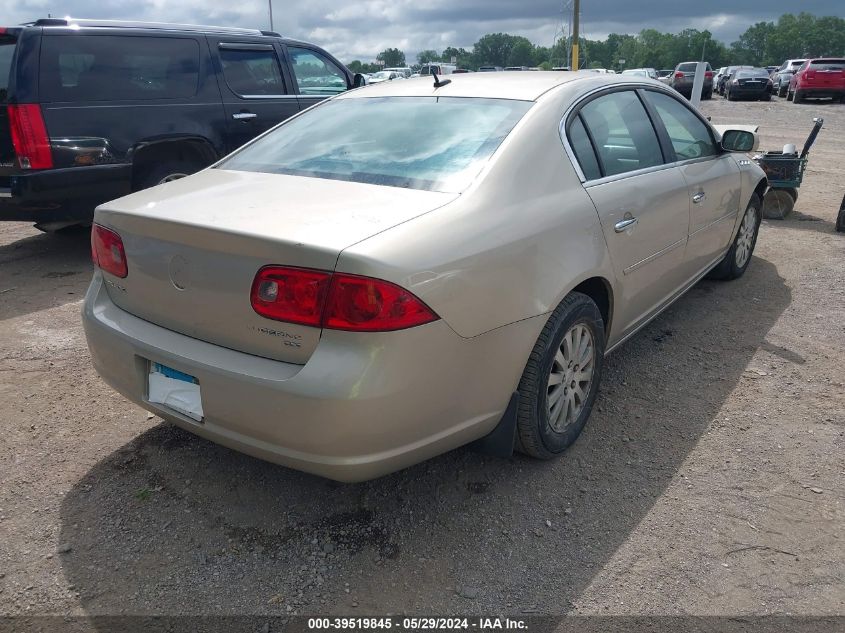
x: 679, y: 75
x: 708, y: 74
x: 29, y: 136
x: 335, y: 301
x: 107, y: 251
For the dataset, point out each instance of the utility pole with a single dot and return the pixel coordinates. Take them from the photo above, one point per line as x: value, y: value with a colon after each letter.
x: 270, y: 3
x: 576, y: 18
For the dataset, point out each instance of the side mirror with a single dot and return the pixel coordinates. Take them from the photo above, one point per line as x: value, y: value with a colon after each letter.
x: 739, y: 141
x: 358, y: 80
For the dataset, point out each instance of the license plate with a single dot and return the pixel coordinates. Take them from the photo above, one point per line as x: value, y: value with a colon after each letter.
x: 175, y: 390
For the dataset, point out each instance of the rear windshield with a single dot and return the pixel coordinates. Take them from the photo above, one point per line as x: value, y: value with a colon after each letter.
x: 78, y: 68
x: 828, y: 64
x: 741, y: 74
x: 689, y: 67
x: 429, y: 143
x: 7, y: 50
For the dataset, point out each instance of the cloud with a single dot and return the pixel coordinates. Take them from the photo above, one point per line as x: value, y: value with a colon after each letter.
x: 360, y: 29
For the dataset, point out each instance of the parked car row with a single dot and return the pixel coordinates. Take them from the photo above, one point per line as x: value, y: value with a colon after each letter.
x: 795, y: 79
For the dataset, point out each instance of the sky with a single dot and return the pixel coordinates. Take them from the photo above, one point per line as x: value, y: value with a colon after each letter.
x: 360, y: 29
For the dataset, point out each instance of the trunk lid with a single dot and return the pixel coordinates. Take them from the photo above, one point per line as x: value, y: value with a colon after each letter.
x: 193, y: 247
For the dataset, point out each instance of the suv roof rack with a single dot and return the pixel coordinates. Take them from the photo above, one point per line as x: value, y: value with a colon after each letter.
x: 129, y: 24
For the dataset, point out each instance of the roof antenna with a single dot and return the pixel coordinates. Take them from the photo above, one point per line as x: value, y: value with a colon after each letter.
x: 438, y: 83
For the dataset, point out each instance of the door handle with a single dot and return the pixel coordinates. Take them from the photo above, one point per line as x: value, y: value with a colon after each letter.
x: 699, y: 197
x: 244, y: 116
x: 622, y: 225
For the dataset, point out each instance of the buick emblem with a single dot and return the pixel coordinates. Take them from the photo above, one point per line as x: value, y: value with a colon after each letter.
x: 179, y: 272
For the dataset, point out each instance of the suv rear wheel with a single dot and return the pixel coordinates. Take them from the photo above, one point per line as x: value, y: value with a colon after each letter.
x: 165, y: 171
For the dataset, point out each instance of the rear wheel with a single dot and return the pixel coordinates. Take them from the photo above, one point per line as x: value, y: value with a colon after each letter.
x: 561, y: 379
x: 782, y: 91
x: 789, y: 94
x: 165, y: 171
x: 797, y: 96
x: 738, y: 256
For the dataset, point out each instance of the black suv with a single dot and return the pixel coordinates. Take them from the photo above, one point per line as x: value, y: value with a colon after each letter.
x: 92, y: 110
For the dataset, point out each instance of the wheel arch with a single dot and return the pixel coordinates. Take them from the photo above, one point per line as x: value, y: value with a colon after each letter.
x: 601, y: 292
x: 195, y: 149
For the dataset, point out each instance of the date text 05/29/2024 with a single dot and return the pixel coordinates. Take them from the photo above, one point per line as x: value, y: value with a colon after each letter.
x: 418, y: 624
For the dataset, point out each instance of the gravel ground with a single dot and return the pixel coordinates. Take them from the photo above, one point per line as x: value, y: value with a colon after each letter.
x: 709, y: 480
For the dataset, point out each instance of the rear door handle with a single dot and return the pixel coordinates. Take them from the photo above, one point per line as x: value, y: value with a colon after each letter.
x: 699, y: 197
x: 244, y: 116
x: 622, y: 225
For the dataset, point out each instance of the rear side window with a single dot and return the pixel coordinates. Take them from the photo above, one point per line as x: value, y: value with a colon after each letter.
x: 7, y: 50
x: 583, y: 149
x: 690, y: 137
x: 80, y: 68
x: 622, y: 133
x: 252, y: 72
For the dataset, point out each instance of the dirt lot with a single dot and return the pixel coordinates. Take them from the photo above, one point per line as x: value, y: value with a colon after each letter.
x: 709, y: 480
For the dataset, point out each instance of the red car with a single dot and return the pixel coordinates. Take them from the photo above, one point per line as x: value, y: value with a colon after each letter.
x: 818, y: 78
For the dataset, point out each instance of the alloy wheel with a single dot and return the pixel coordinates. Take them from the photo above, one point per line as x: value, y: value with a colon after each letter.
x: 571, y: 377
x: 745, y: 237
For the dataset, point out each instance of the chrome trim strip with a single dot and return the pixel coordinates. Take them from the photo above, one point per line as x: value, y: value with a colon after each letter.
x: 5, y: 194
x: 267, y: 96
x: 731, y: 214
x: 654, y: 256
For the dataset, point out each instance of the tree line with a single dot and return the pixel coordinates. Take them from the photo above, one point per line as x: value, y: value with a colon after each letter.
x: 762, y: 44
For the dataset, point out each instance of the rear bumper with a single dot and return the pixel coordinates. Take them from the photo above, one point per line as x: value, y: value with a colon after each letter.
x: 364, y: 404
x: 56, y: 195
x: 822, y: 93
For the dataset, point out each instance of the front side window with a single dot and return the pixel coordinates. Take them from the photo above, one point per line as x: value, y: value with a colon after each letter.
x: 118, y: 68
x: 316, y: 74
x: 366, y: 140
x: 622, y: 133
x: 690, y: 137
x: 252, y: 72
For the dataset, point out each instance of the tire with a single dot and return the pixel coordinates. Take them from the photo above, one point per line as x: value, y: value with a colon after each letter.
x: 797, y: 97
x: 165, y: 171
x: 538, y: 433
x: 738, y: 257
x: 782, y: 91
x: 767, y: 96
x: 708, y: 95
x: 730, y: 96
x: 840, y: 219
x: 789, y: 94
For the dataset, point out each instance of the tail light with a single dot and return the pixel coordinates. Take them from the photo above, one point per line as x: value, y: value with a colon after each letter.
x: 708, y: 74
x: 679, y: 75
x: 336, y: 301
x: 29, y: 136
x: 107, y: 251
x: 294, y: 295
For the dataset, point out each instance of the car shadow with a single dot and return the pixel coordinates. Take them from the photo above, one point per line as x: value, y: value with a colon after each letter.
x: 170, y: 523
x: 43, y: 271
x: 803, y: 222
